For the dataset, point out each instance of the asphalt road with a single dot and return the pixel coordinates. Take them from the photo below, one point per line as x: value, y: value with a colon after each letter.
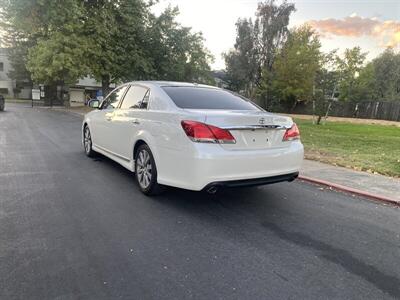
x: 78, y: 228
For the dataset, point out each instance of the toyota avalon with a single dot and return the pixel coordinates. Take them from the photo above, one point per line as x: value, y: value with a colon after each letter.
x: 192, y: 136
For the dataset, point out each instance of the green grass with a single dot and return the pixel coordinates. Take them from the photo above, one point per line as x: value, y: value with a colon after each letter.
x: 372, y: 148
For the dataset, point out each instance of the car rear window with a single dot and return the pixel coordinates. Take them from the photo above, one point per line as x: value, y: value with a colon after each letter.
x: 207, y: 98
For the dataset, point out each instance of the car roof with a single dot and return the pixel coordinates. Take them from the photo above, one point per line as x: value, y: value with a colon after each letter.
x: 173, y: 84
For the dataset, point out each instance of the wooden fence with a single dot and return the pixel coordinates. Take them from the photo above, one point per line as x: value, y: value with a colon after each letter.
x: 363, y: 110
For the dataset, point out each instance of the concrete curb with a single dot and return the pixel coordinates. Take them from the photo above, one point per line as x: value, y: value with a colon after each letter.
x: 350, y: 190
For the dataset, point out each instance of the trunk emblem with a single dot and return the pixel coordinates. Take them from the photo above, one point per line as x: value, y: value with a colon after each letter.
x: 262, y: 121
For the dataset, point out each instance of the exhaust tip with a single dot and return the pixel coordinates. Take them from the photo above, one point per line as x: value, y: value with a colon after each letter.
x: 212, y: 190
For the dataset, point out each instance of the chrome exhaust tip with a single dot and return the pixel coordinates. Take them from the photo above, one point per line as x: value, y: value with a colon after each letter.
x: 212, y: 190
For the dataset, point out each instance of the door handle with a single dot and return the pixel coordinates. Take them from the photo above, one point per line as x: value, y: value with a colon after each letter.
x: 109, y: 116
x: 136, y: 122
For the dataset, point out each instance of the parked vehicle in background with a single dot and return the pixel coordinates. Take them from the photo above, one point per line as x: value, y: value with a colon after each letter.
x: 2, y: 103
x: 192, y: 136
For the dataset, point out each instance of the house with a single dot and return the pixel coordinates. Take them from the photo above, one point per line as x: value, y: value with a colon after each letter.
x: 86, y: 88
x: 9, y: 88
x: 7, y: 85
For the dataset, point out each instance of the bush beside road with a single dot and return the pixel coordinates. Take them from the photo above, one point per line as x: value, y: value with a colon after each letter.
x: 371, y: 148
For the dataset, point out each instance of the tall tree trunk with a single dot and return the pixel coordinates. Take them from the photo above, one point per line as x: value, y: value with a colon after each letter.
x: 105, y: 85
x: 293, y: 106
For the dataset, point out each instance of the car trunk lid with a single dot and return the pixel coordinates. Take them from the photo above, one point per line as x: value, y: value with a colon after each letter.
x: 252, y: 130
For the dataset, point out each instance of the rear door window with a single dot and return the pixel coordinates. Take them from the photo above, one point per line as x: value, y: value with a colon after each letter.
x: 136, y: 98
x: 207, y: 98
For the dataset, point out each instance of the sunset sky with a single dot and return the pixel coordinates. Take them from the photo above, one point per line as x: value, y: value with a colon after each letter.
x: 370, y: 24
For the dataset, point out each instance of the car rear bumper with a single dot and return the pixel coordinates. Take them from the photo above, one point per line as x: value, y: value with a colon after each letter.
x: 209, y: 165
x: 250, y: 182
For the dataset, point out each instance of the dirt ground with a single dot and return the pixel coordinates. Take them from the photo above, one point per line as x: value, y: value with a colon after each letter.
x: 349, y: 120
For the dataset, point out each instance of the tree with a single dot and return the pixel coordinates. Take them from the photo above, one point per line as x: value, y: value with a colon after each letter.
x: 45, y: 37
x: 113, y: 41
x: 59, y: 56
x: 349, y: 68
x: 17, y: 36
x: 258, y: 44
x: 296, y: 67
x: 325, y: 86
x: 175, y: 52
x: 365, y: 87
x: 127, y: 42
x: 57, y: 60
x: 115, y: 33
x: 386, y: 73
x: 241, y: 63
x: 271, y: 28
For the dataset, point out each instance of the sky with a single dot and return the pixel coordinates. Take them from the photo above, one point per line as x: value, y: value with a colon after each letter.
x: 371, y: 24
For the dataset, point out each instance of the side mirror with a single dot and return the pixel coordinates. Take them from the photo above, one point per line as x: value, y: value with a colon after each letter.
x: 94, y: 103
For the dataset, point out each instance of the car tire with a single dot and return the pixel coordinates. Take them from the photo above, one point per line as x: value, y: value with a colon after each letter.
x: 87, y: 142
x: 146, y: 171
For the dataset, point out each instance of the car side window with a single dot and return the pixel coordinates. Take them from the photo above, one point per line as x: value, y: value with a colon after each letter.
x: 136, y: 98
x: 114, y: 98
x: 145, y: 101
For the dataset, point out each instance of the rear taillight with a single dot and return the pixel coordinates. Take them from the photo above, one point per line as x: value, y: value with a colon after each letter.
x: 292, y: 133
x: 204, y: 133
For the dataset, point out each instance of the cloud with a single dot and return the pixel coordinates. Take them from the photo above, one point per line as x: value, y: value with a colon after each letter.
x: 386, y: 32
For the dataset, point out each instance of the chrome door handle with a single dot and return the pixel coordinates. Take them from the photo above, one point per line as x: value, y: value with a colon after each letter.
x: 109, y: 116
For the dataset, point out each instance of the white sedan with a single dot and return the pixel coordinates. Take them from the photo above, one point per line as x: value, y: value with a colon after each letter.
x: 192, y: 136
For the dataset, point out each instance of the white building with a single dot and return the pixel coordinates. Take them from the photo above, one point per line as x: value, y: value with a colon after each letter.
x: 7, y: 85
x: 85, y: 88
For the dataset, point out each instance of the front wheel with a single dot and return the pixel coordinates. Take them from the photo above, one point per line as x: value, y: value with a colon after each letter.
x: 146, y: 171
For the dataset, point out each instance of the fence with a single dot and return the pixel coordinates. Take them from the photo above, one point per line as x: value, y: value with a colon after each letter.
x: 363, y: 110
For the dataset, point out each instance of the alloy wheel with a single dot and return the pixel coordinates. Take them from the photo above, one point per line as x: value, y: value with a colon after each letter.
x: 144, y: 169
x: 87, y: 140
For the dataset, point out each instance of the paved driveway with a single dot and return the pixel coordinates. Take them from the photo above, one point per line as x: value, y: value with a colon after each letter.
x: 76, y: 228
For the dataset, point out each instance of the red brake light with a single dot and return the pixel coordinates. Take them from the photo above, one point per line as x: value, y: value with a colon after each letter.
x: 292, y: 133
x: 204, y: 133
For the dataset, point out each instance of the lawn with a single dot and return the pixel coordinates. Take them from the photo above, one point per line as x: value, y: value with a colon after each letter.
x: 371, y: 148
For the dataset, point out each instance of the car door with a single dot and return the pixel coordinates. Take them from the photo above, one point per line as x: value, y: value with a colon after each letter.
x: 127, y: 119
x: 101, y: 124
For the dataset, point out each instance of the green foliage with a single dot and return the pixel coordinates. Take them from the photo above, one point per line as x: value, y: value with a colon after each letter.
x: 16, y: 37
x: 349, y: 68
x: 176, y: 53
x: 60, y: 58
x: 62, y: 41
x: 241, y: 63
x: 59, y: 55
x: 378, y: 80
x: 296, y: 66
x: 365, y: 86
x: 386, y: 74
x: 256, y: 47
x: 325, y: 86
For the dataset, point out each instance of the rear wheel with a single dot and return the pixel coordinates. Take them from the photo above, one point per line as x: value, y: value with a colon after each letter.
x: 146, y: 171
x: 87, y: 142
